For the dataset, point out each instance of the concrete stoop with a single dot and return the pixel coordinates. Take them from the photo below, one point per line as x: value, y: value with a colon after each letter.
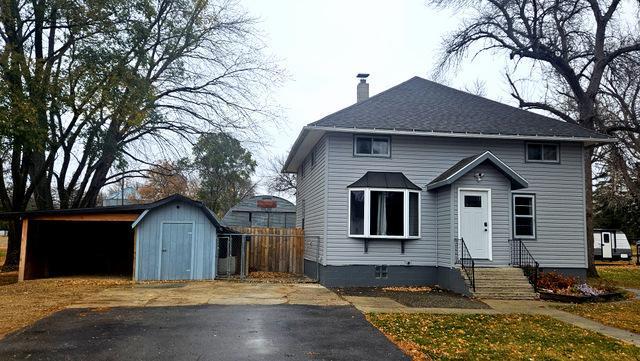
x: 507, y: 283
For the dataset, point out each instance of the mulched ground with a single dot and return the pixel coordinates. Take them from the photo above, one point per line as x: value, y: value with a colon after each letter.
x: 415, y: 296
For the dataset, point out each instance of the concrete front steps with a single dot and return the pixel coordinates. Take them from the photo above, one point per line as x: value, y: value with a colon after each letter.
x: 507, y: 283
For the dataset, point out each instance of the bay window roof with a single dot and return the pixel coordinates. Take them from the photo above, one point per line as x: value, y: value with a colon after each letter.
x: 390, y: 180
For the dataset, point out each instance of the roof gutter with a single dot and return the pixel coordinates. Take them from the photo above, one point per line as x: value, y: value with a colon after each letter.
x: 461, y: 135
x: 421, y: 133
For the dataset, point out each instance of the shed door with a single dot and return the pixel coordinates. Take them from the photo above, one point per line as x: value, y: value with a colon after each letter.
x: 175, y: 263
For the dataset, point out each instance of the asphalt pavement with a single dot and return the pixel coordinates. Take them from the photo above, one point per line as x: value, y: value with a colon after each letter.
x: 204, y: 332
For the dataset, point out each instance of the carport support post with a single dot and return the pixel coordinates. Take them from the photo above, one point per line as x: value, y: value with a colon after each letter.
x: 23, y: 249
x: 243, y: 256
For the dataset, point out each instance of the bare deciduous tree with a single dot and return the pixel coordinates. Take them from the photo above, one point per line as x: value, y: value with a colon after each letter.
x: 91, y: 93
x: 572, y: 44
x: 277, y: 181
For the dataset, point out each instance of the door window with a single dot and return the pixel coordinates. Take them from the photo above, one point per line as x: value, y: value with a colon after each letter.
x: 473, y: 201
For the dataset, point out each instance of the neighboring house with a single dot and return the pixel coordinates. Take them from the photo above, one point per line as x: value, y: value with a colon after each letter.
x: 390, y: 183
x: 121, y: 197
x: 262, y: 211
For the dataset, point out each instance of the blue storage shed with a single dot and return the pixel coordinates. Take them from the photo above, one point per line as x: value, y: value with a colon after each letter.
x: 176, y: 240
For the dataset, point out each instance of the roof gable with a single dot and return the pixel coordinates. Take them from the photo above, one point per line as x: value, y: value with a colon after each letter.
x: 467, y: 164
x: 179, y: 198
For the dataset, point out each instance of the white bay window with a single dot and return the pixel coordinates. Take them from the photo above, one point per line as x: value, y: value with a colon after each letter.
x: 384, y: 213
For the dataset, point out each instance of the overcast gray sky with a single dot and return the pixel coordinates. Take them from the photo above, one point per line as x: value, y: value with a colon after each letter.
x: 322, y: 45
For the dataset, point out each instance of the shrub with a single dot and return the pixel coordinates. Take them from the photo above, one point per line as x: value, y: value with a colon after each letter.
x: 555, y: 281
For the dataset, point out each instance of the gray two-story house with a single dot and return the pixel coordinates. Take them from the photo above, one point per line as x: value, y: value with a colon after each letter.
x: 408, y: 185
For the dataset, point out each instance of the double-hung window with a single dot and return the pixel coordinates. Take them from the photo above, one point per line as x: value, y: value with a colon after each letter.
x: 384, y: 213
x: 524, y: 216
x: 371, y: 146
x: 543, y: 152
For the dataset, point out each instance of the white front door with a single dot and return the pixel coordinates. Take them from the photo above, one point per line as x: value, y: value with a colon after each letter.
x: 475, y: 222
x: 607, y: 245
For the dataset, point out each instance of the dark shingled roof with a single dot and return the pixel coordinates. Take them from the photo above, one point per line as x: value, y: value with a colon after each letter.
x: 384, y: 180
x: 422, y: 105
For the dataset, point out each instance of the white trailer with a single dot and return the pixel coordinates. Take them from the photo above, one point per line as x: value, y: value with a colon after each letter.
x: 610, y: 244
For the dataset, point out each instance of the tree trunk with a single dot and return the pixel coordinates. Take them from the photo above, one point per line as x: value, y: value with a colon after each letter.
x: 588, y: 195
x: 12, y: 260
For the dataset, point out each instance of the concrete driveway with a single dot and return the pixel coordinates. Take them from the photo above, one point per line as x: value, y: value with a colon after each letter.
x: 204, y: 321
x: 213, y: 293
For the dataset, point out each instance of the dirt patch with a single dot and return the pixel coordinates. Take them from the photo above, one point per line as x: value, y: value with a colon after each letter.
x: 415, y: 296
x: 26, y: 302
x: 276, y: 277
x: 261, y: 274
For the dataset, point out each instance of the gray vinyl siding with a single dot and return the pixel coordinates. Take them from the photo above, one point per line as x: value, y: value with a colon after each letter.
x: 310, y: 202
x: 500, y: 210
x: 443, y: 226
x: 149, y: 241
x: 558, y: 189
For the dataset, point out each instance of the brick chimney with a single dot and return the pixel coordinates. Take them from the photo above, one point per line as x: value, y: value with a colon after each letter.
x: 363, y: 88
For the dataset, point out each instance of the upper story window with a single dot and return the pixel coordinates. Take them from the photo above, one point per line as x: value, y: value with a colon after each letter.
x: 371, y: 146
x: 524, y: 216
x: 384, y: 213
x: 543, y: 152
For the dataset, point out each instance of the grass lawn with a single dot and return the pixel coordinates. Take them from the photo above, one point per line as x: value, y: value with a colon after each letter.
x: 625, y: 315
x: 623, y: 276
x: 26, y: 302
x: 497, y: 337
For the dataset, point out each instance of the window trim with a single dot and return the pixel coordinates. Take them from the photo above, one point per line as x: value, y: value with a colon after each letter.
x: 526, y: 153
x: 365, y: 136
x: 534, y: 215
x: 367, y: 213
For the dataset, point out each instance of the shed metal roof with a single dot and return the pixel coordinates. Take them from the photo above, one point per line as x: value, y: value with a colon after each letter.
x: 250, y: 204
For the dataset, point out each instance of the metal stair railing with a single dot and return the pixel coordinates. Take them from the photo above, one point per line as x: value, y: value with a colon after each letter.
x: 522, y: 258
x: 467, y: 263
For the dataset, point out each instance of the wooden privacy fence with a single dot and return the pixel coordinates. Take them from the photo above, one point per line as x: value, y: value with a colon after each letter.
x: 275, y: 249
